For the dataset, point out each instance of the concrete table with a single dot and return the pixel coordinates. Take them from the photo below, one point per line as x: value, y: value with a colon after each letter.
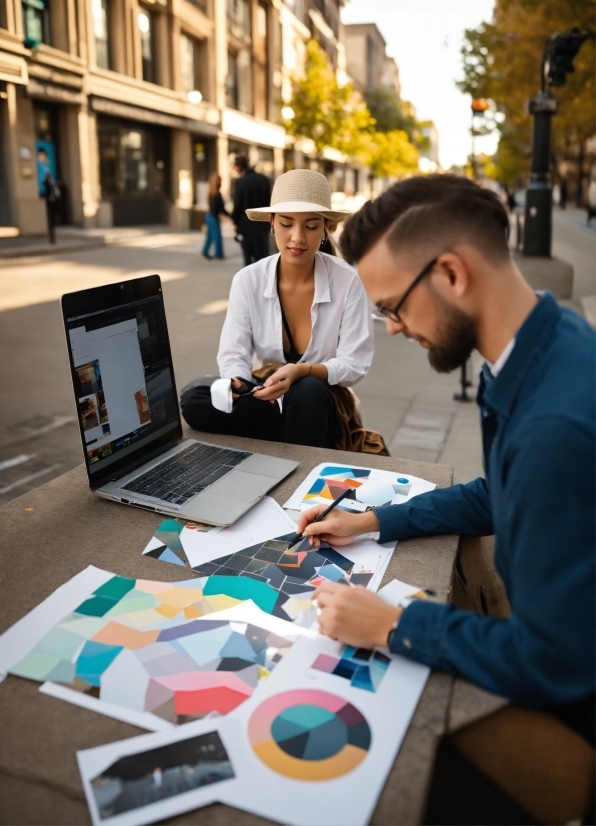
x: 69, y: 528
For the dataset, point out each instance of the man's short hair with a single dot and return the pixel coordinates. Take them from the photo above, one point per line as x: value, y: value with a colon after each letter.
x: 241, y: 162
x: 435, y: 212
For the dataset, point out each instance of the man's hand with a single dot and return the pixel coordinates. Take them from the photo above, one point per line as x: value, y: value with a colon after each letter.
x: 338, y: 528
x: 280, y: 382
x: 355, y: 615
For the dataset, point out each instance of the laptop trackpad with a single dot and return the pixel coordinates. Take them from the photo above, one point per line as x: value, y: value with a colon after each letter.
x: 245, y: 487
x: 226, y: 501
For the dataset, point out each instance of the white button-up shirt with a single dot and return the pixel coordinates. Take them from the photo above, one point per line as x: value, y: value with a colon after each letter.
x: 342, y: 331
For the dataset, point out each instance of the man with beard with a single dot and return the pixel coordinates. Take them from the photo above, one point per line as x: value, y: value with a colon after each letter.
x: 433, y: 255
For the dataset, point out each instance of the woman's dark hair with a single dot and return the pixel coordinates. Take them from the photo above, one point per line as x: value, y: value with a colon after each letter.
x: 241, y: 162
x: 459, y: 196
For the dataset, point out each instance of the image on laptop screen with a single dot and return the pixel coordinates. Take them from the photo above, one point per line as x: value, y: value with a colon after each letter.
x: 123, y: 379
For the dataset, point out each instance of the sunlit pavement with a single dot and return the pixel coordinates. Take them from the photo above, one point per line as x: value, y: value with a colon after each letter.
x: 402, y: 397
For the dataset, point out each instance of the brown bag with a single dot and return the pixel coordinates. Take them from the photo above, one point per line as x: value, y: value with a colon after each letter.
x: 354, y: 436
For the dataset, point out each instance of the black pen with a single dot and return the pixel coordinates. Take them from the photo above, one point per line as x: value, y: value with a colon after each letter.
x: 301, y: 538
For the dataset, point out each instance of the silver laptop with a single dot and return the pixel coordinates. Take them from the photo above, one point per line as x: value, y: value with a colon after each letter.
x: 129, y: 418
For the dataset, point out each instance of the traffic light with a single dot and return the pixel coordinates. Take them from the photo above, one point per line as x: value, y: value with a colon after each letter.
x: 559, y: 53
x: 480, y: 106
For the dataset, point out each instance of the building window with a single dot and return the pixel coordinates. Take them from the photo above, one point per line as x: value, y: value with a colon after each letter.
x: 36, y: 23
x: 147, y: 30
x: 192, y: 68
x: 239, y: 18
x: 297, y: 8
x: 132, y: 159
x: 203, y: 5
x: 99, y: 11
x: 239, y: 81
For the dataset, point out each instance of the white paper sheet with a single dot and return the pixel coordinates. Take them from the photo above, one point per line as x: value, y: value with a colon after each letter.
x: 142, y: 719
x: 347, y: 794
x: 264, y: 521
x: 397, y: 593
x: 152, y: 784
x: 28, y: 631
x: 371, y: 487
x: 351, y: 797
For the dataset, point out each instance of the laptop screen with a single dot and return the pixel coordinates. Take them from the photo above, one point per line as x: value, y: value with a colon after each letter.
x: 123, y: 378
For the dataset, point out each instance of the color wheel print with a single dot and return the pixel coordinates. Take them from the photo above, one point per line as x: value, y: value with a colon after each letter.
x: 306, y: 734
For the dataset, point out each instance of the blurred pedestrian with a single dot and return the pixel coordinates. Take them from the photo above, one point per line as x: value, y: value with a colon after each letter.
x: 564, y: 192
x: 51, y: 193
x: 216, y: 208
x: 252, y: 190
x: 591, y: 201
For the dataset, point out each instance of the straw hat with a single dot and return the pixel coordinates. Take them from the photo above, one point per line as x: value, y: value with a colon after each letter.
x: 301, y: 190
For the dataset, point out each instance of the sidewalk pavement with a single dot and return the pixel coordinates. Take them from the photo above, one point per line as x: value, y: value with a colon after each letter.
x: 74, y: 239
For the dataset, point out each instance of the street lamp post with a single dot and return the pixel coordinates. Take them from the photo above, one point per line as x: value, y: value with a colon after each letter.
x: 557, y: 62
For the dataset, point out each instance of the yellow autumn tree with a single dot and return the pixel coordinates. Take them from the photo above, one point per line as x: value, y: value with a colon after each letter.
x: 502, y: 61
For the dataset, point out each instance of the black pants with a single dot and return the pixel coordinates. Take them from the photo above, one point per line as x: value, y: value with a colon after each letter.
x: 309, y: 415
x: 255, y: 244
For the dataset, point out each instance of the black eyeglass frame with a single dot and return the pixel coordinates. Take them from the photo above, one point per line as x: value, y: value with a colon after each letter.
x: 393, y: 315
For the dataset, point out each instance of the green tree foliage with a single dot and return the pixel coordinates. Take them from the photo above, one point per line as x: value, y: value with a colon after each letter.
x: 502, y: 61
x: 390, y: 114
x: 327, y: 113
x: 390, y: 154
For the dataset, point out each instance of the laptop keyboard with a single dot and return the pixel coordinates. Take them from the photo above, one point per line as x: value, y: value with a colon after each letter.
x: 182, y: 476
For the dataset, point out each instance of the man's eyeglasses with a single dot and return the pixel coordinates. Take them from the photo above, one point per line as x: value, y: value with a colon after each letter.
x: 393, y: 315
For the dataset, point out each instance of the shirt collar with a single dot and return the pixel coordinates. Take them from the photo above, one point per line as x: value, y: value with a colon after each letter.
x: 496, y: 368
x: 322, y: 291
x: 531, y: 341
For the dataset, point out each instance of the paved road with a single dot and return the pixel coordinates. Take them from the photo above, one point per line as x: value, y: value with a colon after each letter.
x: 402, y: 397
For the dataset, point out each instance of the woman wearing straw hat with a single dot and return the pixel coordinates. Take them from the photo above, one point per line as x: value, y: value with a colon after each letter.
x: 302, y: 316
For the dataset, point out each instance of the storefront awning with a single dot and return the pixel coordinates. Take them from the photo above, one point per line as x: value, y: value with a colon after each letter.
x: 123, y: 110
x: 50, y: 91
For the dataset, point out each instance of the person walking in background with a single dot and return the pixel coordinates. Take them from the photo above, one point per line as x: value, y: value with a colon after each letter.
x: 51, y: 194
x: 216, y: 208
x: 252, y: 190
x: 564, y: 193
x: 591, y: 202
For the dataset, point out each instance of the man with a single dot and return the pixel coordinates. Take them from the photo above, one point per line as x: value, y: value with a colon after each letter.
x: 252, y: 190
x: 433, y: 255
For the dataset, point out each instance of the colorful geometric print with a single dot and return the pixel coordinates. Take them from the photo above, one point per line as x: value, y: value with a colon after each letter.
x: 363, y: 668
x: 309, y: 735
x: 333, y: 481
x: 280, y: 582
x: 166, y: 544
x: 144, y: 646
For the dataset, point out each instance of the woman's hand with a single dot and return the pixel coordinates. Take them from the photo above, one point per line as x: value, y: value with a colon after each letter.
x: 238, y: 388
x: 355, y: 615
x: 338, y: 528
x: 280, y: 382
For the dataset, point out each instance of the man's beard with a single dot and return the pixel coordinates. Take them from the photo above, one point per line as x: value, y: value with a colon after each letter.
x: 457, y: 333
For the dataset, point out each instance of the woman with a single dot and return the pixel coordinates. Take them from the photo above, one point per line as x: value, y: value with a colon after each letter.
x: 304, y: 313
x: 216, y: 208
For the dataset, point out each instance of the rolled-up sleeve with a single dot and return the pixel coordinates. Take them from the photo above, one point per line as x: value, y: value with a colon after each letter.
x: 355, y: 347
x: 234, y: 358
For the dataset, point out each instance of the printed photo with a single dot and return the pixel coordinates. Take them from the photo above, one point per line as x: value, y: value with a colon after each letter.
x: 88, y: 379
x: 88, y: 413
x: 101, y: 405
x: 147, y: 777
x: 143, y: 405
x: 99, y: 453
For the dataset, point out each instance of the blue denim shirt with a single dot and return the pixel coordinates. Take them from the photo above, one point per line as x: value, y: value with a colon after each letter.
x: 538, y: 498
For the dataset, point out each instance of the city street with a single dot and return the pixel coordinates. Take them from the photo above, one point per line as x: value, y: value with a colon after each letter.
x: 402, y: 397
